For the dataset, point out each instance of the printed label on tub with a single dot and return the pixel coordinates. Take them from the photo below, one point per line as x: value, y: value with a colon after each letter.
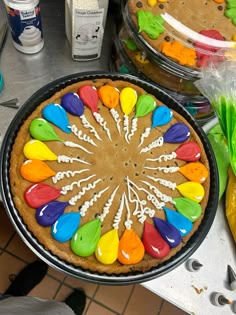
x: 87, y: 33
x: 26, y: 26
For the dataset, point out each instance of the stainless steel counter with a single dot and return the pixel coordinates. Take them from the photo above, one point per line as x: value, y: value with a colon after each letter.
x: 25, y: 74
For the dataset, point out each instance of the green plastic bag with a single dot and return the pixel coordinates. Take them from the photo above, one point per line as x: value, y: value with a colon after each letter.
x: 220, y: 148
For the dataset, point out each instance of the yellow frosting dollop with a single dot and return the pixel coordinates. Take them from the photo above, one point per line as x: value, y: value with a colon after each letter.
x: 128, y: 99
x: 192, y: 190
x: 37, y: 150
x: 107, y: 247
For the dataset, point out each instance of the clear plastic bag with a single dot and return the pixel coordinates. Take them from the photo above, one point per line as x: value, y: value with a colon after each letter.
x: 218, y: 84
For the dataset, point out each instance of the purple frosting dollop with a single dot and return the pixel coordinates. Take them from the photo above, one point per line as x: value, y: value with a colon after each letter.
x: 73, y: 104
x: 168, y: 232
x: 177, y: 133
x: 49, y: 213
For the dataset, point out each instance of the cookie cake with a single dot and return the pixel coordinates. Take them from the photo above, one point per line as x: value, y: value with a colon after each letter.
x: 181, y: 31
x: 108, y: 178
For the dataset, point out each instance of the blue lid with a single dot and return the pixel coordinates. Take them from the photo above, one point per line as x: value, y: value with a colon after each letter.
x: 1, y: 82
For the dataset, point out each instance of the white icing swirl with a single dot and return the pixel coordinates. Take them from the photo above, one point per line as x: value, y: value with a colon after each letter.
x: 164, y: 182
x: 126, y: 127
x: 68, y: 174
x: 75, y: 145
x: 166, y: 170
x: 141, y: 210
x: 67, y: 159
x: 106, y: 208
x: 70, y: 187
x: 133, y: 128
x: 87, y: 125
x: 80, y: 135
x: 117, y: 119
x: 83, y: 191
x: 118, y: 215
x: 159, y: 194
x: 157, y: 143
x: 90, y: 203
x: 102, y: 123
x: 144, y: 135
x: 128, y: 222
x: 164, y: 157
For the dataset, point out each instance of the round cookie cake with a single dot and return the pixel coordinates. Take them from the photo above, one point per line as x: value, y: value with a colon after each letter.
x: 108, y: 178
x: 167, y: 27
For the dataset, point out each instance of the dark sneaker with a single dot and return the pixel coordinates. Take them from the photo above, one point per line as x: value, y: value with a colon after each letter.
x: 28, y: 278
x: 77, y: 301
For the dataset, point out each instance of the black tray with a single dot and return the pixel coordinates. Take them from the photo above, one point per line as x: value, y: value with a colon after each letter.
x: 46, y: 92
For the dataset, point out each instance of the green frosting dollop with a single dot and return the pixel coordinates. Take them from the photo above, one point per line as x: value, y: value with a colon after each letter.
x: 85, y: 239
x: 150, y: 24
x: 188, y: 208
x: 131, y: 45
x: 230, y: 10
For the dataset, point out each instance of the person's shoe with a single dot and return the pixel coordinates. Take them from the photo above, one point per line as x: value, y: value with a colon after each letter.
x: 27, y: 279
x: 77, y: 301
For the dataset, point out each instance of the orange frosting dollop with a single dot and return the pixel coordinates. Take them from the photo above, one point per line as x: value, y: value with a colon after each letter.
x: 131, y: 249
x: 109, y: 96
x: 35, y: 171
x: 177, y: 51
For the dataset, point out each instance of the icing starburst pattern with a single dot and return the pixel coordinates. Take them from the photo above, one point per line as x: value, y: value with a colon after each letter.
x: 90, y: 183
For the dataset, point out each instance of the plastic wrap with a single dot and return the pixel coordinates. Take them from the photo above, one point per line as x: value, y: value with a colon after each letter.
x: 218, y: 84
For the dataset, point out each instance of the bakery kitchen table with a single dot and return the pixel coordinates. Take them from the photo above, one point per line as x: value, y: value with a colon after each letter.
x: 25, y: 74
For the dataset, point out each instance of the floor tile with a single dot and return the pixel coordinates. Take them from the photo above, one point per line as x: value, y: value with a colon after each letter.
x: 8, y: 265
x: 151, y: 305
x: 6, y: 228
x: 168, y: 308
x: 115, y: 297
x: 65, y: 291
x: 97, y: 309
x: 46, y: 289
x: 20, y: 249
x: 56, y: 274
x: 88, y: 287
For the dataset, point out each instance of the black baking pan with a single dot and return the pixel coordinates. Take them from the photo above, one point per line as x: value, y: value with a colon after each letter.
x: 46, y: 92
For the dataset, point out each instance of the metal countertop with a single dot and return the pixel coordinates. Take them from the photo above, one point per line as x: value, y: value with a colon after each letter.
x: 25, y: 74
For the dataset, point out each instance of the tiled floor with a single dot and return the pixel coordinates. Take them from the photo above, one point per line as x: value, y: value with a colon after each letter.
x: 101, y: 299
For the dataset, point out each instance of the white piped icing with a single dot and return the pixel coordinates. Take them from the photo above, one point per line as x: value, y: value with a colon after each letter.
x: 128, y: 222
x: 164, y: 182
x: 75, y: 145
x: 70, y: 187
x: 134, y: 125
x: 144, y: 135
x: 119, y: 212
x: 87, y: 125
x: 166, y: 170
x: 126, y: 128
x: 140, y: 210
x: 159, y: 194
x: 106, y: 208
x: 164, y: 157
x: 157, y: 143
x: 90, y: 203
x: 102, y: 123
x: 67, y: 159
x: 117, y: 119
x: 83, y: 191
x: 80, y: 135
x: 68, y: 174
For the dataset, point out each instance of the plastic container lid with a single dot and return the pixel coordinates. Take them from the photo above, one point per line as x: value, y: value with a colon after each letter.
x: 179, y: 31
x: 22, y: 4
